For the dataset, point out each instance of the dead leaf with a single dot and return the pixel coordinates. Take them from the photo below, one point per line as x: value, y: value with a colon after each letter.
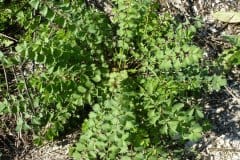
x: 229, y: 17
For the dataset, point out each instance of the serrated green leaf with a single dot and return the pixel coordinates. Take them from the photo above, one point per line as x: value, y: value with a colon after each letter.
x: 193, y: 136
x: 166, y: 65
x: 177, y: 107
x: 114, y: 149
x: 106, y: 127
x: 82, y: 89
x: 139, y: 156
x: 92, y: 29
x: 199, y: 113
x: 129, y: 125
x: 151, y: 113
x: 190, y: 112
x: 177, y: 64
x: 34, y: 3
x: 37, y: 140
x: 234, y: 59
x: 218, y: 82
x: 92, y: 115
x: 7, y: 42
x: 173, y: 126
x: 97, y: 78
x: 93, y: 155
x: 186, y: 48
x: 36, y: 121
x: 44, y: 10
x: 80, y: 146
x: 103, y: 137
x: 60, y: 21
x: 164, y: 129
x: 26, y: 127
x: 77, y: 155
x: 101, y: 145
x: 97, y: 108
x: 50, y: 15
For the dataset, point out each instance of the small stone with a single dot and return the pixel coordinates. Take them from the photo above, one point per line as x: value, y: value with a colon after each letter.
x: 219, y: 110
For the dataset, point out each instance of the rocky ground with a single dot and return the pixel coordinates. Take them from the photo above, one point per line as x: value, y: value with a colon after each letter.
x: 222, y: 109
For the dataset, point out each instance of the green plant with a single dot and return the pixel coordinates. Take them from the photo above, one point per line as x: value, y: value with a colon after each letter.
x: 164, y: 72
x: 231, y: 57
x: 139, y: 71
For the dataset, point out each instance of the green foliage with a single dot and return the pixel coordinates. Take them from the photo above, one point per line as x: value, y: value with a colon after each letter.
x: 139, y: 72
x: 231, y: 57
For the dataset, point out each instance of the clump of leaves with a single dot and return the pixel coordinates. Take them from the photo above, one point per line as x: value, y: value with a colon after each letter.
x: 164, y: 73
x: 231, y: 57
x: 138, y: 70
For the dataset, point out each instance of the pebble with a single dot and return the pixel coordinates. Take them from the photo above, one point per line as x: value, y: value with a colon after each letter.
x: 219, y: 110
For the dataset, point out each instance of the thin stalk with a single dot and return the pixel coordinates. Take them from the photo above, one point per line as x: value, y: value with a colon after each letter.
x: 5, y: 76
x: 26, y: 88
x: 8, y: 37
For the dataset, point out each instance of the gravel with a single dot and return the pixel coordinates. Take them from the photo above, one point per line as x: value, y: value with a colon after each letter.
x: 223, y: 141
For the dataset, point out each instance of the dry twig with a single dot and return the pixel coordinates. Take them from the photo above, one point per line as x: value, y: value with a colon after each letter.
x: 234, y: 95
x: 8, y: 37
